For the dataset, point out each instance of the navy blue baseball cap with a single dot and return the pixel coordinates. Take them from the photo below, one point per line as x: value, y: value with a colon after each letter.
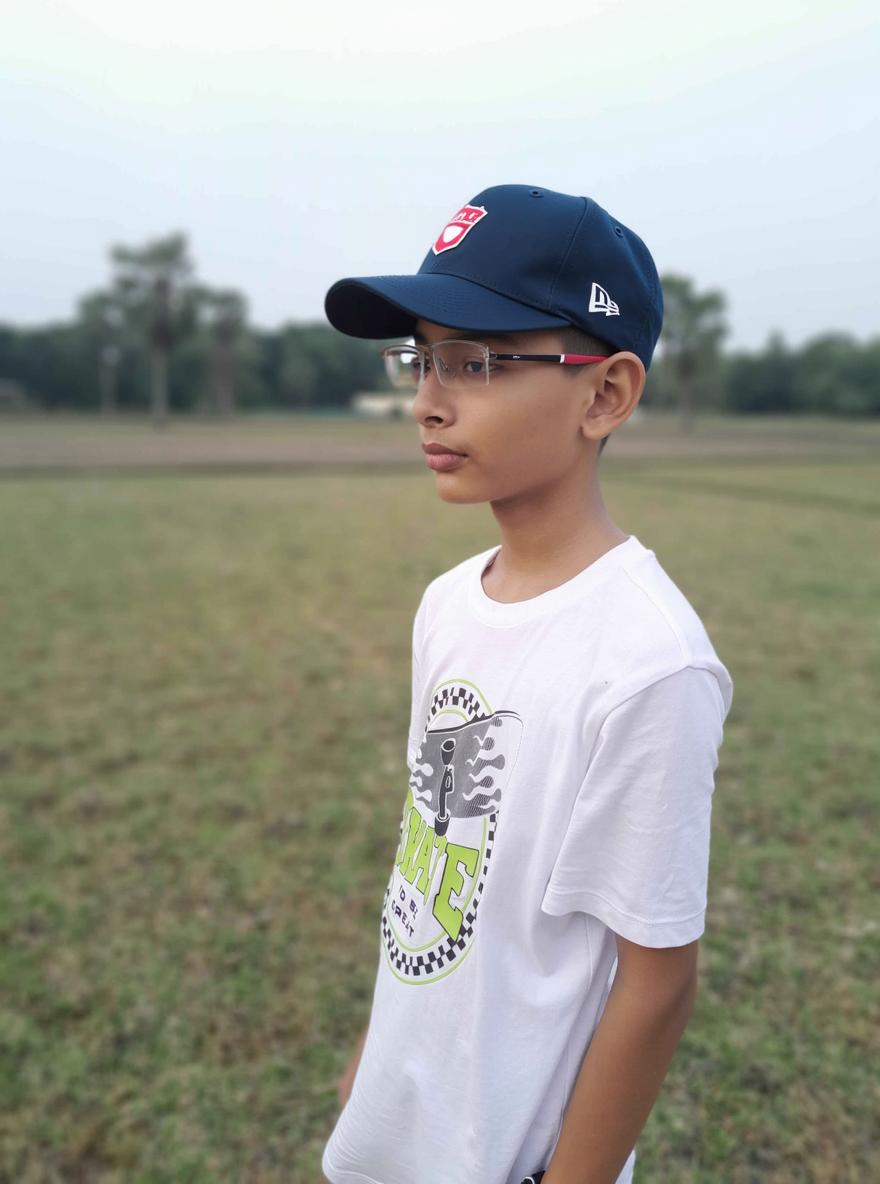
x: 517, y: 258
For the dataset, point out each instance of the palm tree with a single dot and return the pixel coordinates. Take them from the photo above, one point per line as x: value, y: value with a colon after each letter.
x: 693, y: 328
x: 227, y: 313
x: 154, y: 285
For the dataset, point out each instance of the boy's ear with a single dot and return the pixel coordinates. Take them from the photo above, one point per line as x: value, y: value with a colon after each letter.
x: 618, y: 383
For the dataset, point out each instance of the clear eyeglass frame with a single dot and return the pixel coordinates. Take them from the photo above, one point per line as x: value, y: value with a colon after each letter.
x: 459, y: 362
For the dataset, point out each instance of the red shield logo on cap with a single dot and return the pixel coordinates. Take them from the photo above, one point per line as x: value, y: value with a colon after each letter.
x: 456, y: 228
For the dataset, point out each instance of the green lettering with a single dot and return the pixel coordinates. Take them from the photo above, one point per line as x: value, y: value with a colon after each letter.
x: 452, y: 883
x: 440, y: 842
x: 417, y: 828
x: 411, y: 837
x: 421, y: 862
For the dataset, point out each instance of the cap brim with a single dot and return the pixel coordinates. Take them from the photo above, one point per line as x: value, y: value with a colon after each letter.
x: 389, y: 305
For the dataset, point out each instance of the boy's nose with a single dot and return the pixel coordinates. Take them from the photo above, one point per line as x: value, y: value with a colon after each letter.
x: 431, y: 398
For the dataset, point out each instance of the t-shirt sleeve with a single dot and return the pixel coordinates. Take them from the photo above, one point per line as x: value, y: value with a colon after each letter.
x: 635, y: 852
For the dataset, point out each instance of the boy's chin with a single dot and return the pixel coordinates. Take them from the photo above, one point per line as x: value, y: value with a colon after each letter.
x: 451, y: 488
x: 460, y: 497
x: 470, y: 493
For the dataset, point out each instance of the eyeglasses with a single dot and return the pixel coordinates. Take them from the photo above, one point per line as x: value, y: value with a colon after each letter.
x: 462, y: 363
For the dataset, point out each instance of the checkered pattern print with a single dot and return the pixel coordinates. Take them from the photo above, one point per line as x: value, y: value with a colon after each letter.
x: 455, y: 695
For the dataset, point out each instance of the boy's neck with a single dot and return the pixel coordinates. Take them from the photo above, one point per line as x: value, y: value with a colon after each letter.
x: 533, y: 561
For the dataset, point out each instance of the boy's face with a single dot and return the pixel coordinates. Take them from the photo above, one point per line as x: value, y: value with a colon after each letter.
x: 522, y: 432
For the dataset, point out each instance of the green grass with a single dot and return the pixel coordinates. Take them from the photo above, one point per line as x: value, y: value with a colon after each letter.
x: 205, y: 698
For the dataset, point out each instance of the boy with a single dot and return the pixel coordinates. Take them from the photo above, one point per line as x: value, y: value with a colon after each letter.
x: 540, y: 926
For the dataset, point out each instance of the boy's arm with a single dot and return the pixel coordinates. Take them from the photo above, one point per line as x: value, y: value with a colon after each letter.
x: 649, y: 1006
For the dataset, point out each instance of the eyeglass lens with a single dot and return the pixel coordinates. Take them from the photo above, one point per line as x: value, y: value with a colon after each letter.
x: 458, y: 363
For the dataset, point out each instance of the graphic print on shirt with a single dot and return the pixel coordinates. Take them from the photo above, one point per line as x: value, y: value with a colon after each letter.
x: 447, y: 832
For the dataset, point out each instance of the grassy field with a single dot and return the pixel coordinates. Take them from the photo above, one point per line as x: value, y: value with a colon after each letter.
x: 202, y: 748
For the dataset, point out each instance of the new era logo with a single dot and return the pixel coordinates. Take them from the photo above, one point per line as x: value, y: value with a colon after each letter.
x: 600, y: 301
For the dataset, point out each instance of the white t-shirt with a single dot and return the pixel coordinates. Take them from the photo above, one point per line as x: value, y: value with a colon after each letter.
x: 562, y: 752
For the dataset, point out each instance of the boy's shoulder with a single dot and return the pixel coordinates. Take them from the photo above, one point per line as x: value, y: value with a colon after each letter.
x: 635, y: 587
x: 631, y: 626
x: 653, y: 629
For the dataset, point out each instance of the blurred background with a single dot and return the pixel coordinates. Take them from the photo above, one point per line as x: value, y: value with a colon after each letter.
x: 216, y: 524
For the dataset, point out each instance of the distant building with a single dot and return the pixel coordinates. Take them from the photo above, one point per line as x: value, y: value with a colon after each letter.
x: 382, y: 404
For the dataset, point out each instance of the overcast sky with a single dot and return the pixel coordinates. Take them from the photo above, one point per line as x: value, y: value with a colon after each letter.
x: 296, y: 144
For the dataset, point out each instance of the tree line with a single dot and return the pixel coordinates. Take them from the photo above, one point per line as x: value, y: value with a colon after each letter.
x: 158, y: 338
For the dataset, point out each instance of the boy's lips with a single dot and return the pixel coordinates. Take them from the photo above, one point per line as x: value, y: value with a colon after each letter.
x: 443, y: 461
x: 441, y: 449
